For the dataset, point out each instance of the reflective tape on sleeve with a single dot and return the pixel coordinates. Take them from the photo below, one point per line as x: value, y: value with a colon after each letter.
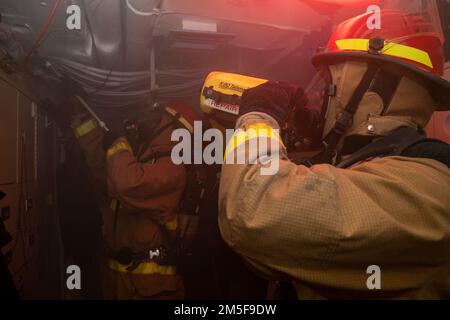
x: 85, y: 128
x: 172, y: 225
x: 116, y: 148
x: 253, y: 131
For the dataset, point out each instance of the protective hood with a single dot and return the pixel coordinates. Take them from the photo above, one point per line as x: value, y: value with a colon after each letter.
x: 409, y: 105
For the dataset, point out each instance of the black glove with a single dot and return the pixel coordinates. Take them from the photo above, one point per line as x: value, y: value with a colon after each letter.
x: 109, y: 138
x: 308, y: 123
x: 277, y: 99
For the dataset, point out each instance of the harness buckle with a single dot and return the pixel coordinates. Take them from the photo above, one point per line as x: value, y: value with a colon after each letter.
x: 154, y: 254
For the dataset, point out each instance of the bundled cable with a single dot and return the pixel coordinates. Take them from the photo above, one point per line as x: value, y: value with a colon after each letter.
x: 116, y: 89
x: 44, y: 31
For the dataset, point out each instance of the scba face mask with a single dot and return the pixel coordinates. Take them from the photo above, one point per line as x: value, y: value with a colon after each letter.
x: 309, y: 120
x: 336, y: 94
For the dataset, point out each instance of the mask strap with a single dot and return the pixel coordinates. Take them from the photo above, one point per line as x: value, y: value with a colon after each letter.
x: 385, y: 85
x: 345, y: 120
x: 330, y: 92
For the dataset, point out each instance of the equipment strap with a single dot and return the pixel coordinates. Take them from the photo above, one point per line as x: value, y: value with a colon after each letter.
x: 404, y: 141
x: 345, y: 120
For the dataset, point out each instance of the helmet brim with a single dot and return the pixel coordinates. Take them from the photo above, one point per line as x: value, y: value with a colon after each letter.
x: 438, y: 87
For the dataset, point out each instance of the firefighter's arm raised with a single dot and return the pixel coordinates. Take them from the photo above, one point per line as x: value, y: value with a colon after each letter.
x: 325, y: 226
x: 90, y: 138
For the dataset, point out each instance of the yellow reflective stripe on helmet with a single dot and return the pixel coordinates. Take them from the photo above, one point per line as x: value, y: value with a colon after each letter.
x: 402, y: 51
x: 353, y: 44
x: 85, y: 128
x: 144, y: 268
x: 390, y: 48
x: 116, y: 148
x: 172, y: 225
x: 181, y: 119
x: 114, y: 204
x: 256, y: 130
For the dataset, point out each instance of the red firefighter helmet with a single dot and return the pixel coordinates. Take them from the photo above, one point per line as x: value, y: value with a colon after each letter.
x: 403, y: 42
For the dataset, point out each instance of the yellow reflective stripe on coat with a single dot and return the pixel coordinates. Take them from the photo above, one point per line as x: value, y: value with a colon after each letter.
x: 144, y: 268
x: 117, y: 147
x: 172, y: 225
x: 115, y: 204
x: 85, y: 128
x: 390, y: 49
x: 257, y: 130
x: 182, y: 119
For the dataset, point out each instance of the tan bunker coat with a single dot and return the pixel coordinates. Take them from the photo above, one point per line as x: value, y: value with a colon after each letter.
x: 324, y: 227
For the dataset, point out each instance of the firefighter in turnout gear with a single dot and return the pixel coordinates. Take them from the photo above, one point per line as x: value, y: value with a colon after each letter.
x: 142, y: 190
x: 378, y: 195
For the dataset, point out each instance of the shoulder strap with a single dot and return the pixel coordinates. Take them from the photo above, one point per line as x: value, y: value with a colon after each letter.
x: 431, y: 149
x: 346, y: 118
x: 393, y: 145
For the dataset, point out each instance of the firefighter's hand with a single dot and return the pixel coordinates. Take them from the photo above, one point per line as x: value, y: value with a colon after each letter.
x: 109, y: 139
x: 277, y: 99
